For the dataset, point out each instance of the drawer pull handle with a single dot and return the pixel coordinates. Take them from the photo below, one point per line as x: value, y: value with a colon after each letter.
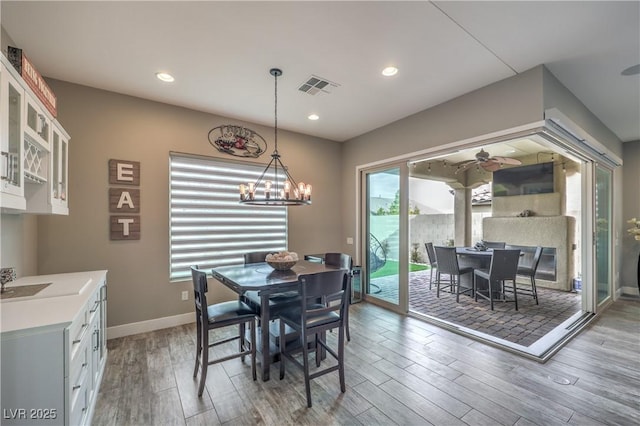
x: 84, y: 364
x: 75, y: 342
x: 95, y: 306
x: 6, y: 174
x: 76, y: 387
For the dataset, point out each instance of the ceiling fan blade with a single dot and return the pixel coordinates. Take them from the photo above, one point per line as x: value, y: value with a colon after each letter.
x: 507, y: 160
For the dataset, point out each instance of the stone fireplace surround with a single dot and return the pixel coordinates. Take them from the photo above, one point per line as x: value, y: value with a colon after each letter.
x: 548, y: 228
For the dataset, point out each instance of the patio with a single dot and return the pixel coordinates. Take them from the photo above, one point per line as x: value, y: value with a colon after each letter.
x: 523, y: 327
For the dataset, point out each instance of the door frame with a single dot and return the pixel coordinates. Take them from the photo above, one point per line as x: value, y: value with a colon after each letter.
x: 560, y: 131
x: 403, y: 256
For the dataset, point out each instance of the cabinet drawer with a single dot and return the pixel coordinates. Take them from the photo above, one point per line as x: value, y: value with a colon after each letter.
x: 93, y: 305
x: 81, y: 363
x: 79, y: 400
x: 77, y: 331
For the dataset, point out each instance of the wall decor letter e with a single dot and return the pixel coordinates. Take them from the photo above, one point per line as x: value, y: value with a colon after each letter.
x: 124, y: 201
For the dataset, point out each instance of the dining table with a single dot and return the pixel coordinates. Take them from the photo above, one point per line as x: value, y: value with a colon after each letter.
x: 266, y: 281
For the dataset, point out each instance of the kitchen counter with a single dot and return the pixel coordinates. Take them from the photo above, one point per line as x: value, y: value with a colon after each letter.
x: 53, y: 348
x: 58, y: 303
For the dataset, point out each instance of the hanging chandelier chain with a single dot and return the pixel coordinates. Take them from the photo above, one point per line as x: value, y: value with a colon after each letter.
x: 275, y: 113
x: 287, y: 193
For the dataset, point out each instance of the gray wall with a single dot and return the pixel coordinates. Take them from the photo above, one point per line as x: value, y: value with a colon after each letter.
x: 509, y: 103
x: 558, y: 96
x: 519, y: 100
x: 19, y: 239
x: 105, y: 125
x: 631, y: 208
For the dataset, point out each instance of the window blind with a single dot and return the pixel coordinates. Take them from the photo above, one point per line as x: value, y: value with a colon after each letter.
x: 208, y: 226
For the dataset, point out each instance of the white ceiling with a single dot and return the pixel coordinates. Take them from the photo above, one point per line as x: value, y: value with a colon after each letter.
x: 220, y: 54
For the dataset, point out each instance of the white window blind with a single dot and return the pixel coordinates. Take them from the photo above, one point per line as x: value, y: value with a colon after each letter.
x: 208, y: 226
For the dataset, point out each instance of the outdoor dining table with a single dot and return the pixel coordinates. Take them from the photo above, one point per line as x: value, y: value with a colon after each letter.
x: 477, y: 259
x: 266, y: 281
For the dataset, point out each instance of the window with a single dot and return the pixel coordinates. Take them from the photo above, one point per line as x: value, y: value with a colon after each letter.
x: 208, y: 227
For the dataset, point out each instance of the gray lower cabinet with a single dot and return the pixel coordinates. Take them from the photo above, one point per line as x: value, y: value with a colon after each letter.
x: 51, y: 374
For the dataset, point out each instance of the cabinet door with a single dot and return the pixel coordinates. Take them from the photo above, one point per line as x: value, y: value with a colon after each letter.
x: 103, y: 323
x: 37, y: 124
x: 11, y: 175
x: 59, y: 168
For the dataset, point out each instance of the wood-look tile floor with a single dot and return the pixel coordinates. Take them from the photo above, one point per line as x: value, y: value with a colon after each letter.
x: 399, y: 370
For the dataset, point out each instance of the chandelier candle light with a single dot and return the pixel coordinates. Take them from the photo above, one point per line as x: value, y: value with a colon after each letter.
x: 283, y: 190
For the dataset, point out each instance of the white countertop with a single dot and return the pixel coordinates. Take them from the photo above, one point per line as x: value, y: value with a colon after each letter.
x: 59, y: 303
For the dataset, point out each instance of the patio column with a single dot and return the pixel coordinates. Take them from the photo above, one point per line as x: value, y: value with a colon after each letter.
x: 462, y: 216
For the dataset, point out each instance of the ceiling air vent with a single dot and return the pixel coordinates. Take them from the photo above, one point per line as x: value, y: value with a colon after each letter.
x: 316, y: 85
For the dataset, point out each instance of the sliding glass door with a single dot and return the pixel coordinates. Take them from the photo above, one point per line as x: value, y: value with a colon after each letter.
x: 383, y: 224
x: 602, y: 234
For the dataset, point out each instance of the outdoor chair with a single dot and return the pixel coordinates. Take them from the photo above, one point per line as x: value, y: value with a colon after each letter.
x: 527, y: 267
x: 503, y: 267
x: 447, y: 260
x: 431, y: 256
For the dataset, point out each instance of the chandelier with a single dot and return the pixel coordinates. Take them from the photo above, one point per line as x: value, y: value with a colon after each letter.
x: 283, y: 189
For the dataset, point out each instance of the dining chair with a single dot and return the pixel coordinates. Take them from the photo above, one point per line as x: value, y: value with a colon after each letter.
x: 447, y: 260
x: 495, y: 244
x: 503, y: 267
x: 312, y: 320
x: 527, y: 267
x: 219, y: 315
x: 431, y: 256
x: 342, y: 261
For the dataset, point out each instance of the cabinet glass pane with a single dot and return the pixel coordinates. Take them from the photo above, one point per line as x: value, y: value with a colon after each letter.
x: 56, y: 165
x: 32, y: 117
x: 14, y: 167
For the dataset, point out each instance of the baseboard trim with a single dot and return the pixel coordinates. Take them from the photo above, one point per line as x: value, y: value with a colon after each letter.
x: 628, y: 290
x: 149, y: 325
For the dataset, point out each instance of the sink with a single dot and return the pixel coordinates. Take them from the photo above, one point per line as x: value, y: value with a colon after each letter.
x: 23, y: 291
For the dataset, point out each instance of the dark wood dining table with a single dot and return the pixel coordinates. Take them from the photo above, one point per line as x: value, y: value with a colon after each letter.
x: 266, y: 281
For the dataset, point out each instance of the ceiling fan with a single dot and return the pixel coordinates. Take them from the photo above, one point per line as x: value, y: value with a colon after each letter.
x: 487, y: 162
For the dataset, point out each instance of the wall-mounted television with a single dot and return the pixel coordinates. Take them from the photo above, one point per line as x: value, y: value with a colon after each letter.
x: 525, y: 180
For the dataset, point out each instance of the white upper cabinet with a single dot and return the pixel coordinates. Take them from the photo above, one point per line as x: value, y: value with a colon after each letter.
x: 59, y: 170
x: 12, y: 158
x: 35, y: 151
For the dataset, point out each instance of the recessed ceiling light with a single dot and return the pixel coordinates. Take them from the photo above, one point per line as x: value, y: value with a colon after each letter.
x: 389, y: 71
x: 165, y: 77
x: 313, y: 117
x: 632, y: 70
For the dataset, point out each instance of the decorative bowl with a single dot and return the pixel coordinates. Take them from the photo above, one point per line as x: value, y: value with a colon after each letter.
x: 282, y: 265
